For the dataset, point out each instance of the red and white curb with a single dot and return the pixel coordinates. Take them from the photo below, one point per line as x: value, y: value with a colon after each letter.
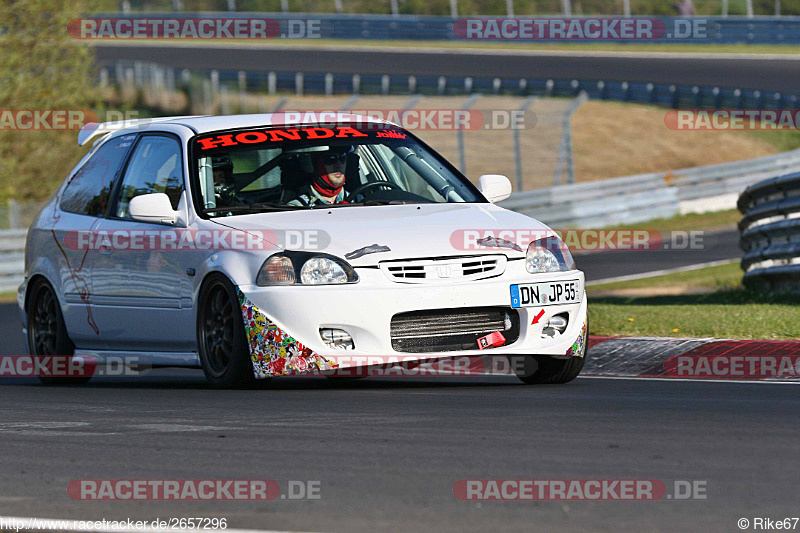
x: 717, y: 359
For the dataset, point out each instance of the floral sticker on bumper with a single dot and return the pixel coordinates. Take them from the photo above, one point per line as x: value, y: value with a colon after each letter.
x: 578, y: 348
x: 272, y: 350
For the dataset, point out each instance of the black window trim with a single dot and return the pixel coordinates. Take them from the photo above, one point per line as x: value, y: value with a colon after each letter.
x: 112, y: 194
x: 118, y: 187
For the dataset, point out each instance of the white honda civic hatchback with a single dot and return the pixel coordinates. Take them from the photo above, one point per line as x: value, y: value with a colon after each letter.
x: 256, y: 246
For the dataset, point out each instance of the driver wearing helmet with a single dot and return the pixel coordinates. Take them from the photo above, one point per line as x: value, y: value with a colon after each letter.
x: 224, y: 185
x: 327, y: 182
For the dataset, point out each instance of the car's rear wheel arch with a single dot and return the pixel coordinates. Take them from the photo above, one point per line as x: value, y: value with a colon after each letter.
x: 33, y: 283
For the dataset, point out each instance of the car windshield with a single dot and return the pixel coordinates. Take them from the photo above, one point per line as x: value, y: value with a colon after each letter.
x: 307, y: 167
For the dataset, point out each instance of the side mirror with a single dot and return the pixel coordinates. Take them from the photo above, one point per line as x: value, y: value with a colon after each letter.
x: 495, y: 187
x: 154, y: 208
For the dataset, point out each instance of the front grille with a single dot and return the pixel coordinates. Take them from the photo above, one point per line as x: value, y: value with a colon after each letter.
x: 448, y: 330
x: 444, y: 269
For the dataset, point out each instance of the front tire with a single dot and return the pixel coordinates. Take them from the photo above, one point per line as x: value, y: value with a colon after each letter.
x: 47, y: 333
x: 546, y: 369
x: 221, y: 339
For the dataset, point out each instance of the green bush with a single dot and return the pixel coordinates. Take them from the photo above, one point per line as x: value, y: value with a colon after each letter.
x: 41, y: 68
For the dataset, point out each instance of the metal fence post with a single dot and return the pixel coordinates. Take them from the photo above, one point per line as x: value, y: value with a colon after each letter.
x: 207, y: 97
x: 626, y: 8
x: 231, y: 5
x: 285, y: 6
x: 214, y: 82
x: 510, y: 8
x: 395, y: 7
x: 462, y: 156
x: 242, y: 91
x: 13, y: 214
x: 226, y: 110
x: 566, y: 7
x: 298, y: 84
x: 517, y: 148
x: 565, y: 149
x: 454, y: 8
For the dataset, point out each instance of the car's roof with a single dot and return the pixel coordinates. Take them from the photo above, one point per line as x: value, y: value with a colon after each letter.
x: 206, y: 123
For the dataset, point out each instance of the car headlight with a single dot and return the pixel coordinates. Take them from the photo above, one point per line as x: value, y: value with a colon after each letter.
x: 548, y: 255
x: 304, y: 268
x: 322, y: 271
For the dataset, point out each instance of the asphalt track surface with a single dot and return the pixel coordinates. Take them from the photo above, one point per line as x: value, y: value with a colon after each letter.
x: 773, y: 73
x: 387, y: 452
x: 675, y: 253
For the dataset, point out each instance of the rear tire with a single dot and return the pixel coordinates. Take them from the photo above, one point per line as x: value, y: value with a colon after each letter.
x: 47, y: 333
x: 221, y: 340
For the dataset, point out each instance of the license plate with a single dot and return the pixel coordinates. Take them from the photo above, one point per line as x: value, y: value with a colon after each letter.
x: 546, y: 293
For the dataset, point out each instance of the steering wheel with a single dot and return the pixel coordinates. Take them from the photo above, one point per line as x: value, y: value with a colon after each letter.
x: 371, y: 185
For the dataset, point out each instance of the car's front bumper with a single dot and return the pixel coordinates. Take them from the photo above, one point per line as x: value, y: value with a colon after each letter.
x: 283, y: 322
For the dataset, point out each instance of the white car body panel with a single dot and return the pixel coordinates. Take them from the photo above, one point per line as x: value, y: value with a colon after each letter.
x: 146, y: 302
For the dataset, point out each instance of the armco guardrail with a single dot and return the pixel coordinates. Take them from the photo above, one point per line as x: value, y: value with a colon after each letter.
x: 756, y: 30
x: 770, y: 229
x: 12, y: 258
x: 649, y: 196
x: 258, y: 78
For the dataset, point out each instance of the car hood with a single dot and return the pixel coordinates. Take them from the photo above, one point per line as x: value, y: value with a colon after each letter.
x: 408, y: 231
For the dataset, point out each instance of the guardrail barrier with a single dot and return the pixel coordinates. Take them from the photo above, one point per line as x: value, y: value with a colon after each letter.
x: 770, y: 233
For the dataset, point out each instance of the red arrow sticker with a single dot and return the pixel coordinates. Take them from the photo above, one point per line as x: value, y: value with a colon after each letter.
x: 537, y: 317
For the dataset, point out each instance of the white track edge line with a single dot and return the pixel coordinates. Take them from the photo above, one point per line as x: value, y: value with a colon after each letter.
x: 655, y: 273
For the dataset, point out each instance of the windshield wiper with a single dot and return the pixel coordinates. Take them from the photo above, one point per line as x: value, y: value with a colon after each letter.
x: 368, y: 203
x: 254, y: 207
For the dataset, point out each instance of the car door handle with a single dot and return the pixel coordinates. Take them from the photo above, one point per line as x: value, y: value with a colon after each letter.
x: 105, y: 249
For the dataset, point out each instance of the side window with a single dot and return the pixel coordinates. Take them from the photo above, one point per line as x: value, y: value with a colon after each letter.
x: 155, y: 166
x: 88, y: 191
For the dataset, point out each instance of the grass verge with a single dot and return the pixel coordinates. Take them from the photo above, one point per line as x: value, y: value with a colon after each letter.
x: 705, y: 221
x: 8, y: 297
x: 717, y: 277
x: 725, y: 310
x: 733, y: 313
